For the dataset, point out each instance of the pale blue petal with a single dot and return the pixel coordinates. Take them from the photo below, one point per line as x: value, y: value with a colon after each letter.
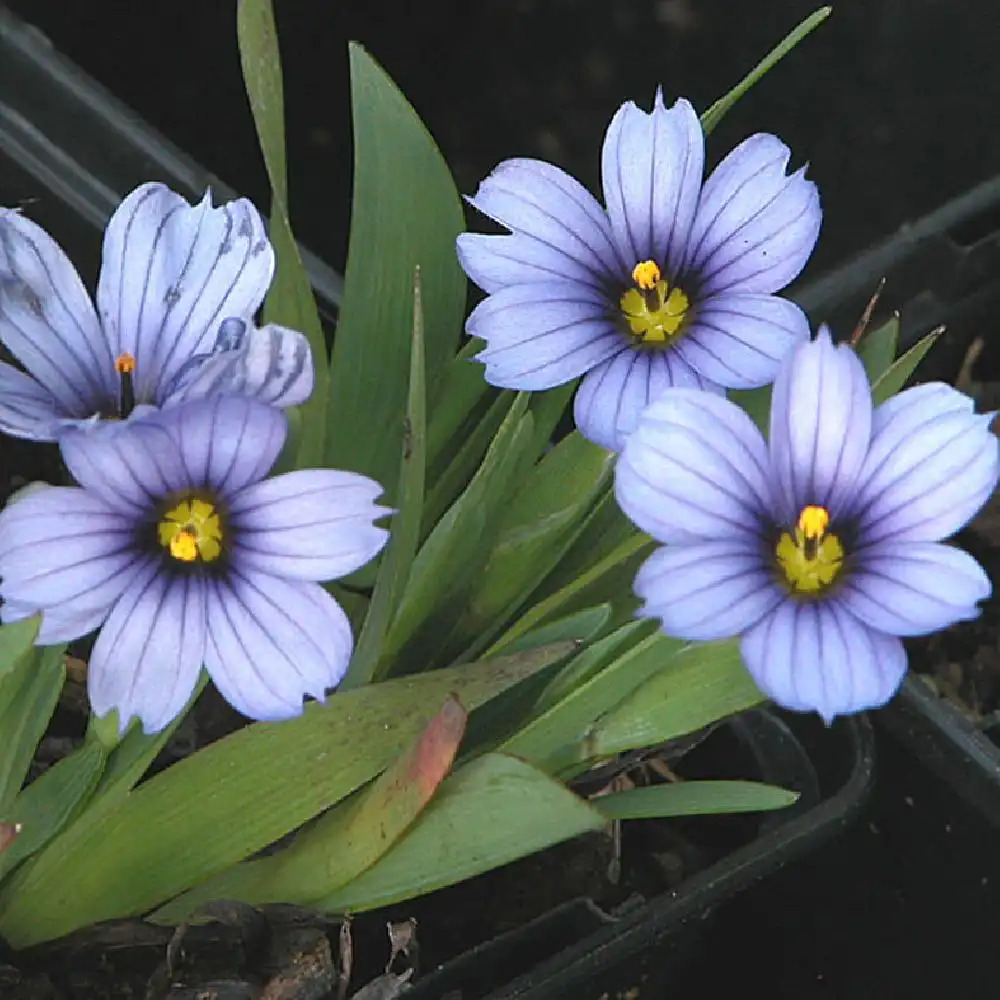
x: 694, y: 470
x: 817, y: 657
x: 932, y: 464
x: 68, y: 554
x: 172, y: 272
x: 312, y: 524
x: 273, y: 641
x: 147, y: 657
x: 651, y: 169
x: 550, y: 208
x: 27, y: 409
x: 226, y: 442
x: 821, y: 414
x: 496, y: 262
x: 708, y: 590
x: 614, y: 394
x: 756, y: 227
x: 47, y: 320
x: 914, y: 588
x: 739, y: 341
x: 542, y: 335
x: 130, y: 466
x: 272, y: 364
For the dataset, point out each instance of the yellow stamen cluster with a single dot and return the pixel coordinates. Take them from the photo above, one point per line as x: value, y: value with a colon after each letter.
x: 192, y: 530
x: 812, y: 559
x: 654, y: 311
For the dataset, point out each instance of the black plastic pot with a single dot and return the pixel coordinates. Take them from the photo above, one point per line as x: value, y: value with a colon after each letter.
x: 580, y: 951
x: 962, y: 751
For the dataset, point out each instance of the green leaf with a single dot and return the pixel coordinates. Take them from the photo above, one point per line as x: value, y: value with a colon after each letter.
x: 449, y: 481
x: 394, y: 568
x: 608, y: 580
x: 539, y: 523
x: 233, y: 798
x: 289, y: 300
x: 694, y: 798
x: 345, y: 841
x: 711, y: 118
x: 548, y: 408
x: 606, y: 528
x: 49, y: 802
x: 560, y: 736
x: 703, y: 683
x: 581, y: 626
x: 463, y: 396
x: 896, y: 375
x: 878, y: 349
x: 490, y: 812
x: 756, y: 403
x: 29, y: 693
x: 17, y: 639
x: 405, y: 213
x: 457, y: 548
x: 589, y: 662
x: 131, y: 758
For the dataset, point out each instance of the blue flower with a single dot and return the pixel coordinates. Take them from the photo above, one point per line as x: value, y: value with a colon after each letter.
x: 184, y: 555
x: 823, y: 546
x: 178, y: 288
x: 672, y: 285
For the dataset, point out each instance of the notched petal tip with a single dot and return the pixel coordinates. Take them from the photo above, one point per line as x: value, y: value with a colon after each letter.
x: 756, y: 226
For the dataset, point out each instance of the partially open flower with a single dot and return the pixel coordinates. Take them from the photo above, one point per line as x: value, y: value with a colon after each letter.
x: 178, y: 289
x: 184, y: 555
x: 822, y: 546
x: 672, y: 285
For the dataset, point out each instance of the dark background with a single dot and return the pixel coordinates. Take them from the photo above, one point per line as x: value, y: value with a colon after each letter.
x: 893, y: 104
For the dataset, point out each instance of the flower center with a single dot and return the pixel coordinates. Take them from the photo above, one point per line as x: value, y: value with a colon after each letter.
x: 191, y: 531
x: 125, y: 366
x: 654, y: 311
x: 812, y: 558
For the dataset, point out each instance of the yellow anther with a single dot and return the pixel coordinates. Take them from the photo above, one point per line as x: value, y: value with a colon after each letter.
x: 192, y: 530
x: 184, y: 546
x: 646, y: 274
x: 125, y: 364
x: 813, y: 521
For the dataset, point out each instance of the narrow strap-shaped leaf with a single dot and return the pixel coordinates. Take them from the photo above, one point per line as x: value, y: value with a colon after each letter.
x: 30, y: 693
x: 711, y: 118
x: 394, y: 568
x: 694, y: 798
x: 448, y: 481
x: 877, y: 349
x: 131, y: 758
x: 609, y: 579
x: 16, y: 642
x: 491, y: 811
x: 539, y: 524
x: 345, y: 841
x: 898, y: 373
x: 560, y: 735
x: 48, y: 803
x: 233, y: 798
x: 456, y: 549
x: 704, y: 682
x: 290, y: 299
x: 405, y: 213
